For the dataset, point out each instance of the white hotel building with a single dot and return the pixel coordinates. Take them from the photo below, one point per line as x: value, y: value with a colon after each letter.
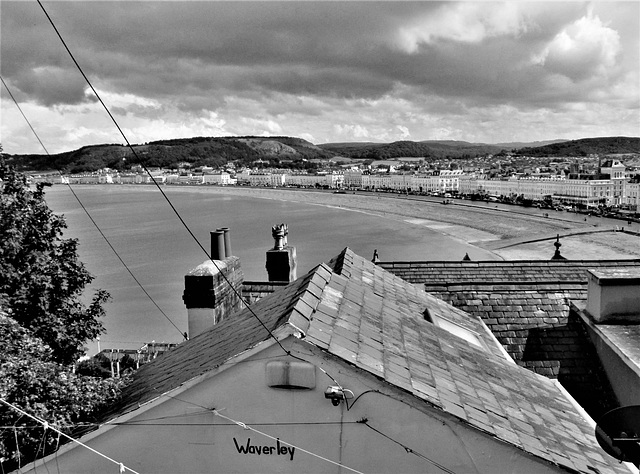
x: 440, y: 181
x: 589, y: 192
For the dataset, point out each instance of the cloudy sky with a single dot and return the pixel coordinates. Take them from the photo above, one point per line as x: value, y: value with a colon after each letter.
x: 324, y: 71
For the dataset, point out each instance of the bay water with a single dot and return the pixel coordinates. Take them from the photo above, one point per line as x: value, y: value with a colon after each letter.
x: 159, y: 251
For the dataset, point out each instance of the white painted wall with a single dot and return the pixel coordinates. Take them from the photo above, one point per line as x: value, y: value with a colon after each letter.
x: 180, y: 434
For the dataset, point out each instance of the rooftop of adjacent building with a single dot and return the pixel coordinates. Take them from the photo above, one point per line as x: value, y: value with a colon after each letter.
x: 527, y: 306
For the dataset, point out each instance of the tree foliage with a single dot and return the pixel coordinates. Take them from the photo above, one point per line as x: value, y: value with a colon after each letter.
x: 41, y: 278
x: 34, y: 382
x: 586, y: 146
x: 43, y: 326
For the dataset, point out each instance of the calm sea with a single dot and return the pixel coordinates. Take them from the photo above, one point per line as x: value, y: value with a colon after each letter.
x: 159, y: 251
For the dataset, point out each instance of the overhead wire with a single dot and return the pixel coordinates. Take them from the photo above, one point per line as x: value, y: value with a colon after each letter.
x: 248, y: 427
x: 135, y: 154
x: 245, y: 426
x: 45, y: 424
x: 86, y: 211
x: 365, y: 422
x: 180, y: 218
x: 176, y: 212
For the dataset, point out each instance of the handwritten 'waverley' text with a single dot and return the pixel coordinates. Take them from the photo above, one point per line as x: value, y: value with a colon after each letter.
x: 277, y: 450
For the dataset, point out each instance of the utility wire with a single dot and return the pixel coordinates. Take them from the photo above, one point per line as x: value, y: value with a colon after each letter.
x: 185, y: 225
x: 247, y: 427
x: 86, y: 211
x: 365, y: 422
x: 23, y: 115
x: 187, y: 228
x: 48, y: 426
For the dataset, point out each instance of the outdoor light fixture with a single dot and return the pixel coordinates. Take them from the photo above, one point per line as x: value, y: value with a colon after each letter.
x: 336, y: 394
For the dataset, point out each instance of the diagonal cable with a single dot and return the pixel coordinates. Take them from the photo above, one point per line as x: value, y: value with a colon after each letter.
x: 187, y: 228
x: 89, y: 215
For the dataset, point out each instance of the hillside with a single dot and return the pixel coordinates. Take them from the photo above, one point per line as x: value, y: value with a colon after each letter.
x: 586, y: 146
x: 198, y: 151
x: 460, y: 149
x: 427, y: 149
x: 291, y: 152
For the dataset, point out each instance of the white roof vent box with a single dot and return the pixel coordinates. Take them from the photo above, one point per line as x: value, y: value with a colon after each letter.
x: 291, y: 375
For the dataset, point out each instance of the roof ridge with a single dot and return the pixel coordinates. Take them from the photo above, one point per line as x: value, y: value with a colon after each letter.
x: 511, y: 262
x: 337, y: 263
x: 308, y: 298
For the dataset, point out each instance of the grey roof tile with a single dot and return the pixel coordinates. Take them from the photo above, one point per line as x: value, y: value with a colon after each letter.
x: 526, y: 303
x: 373, y: 320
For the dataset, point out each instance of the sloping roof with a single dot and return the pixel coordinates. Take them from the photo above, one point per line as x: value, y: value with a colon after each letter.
x: 210, y: 349
x: 526, y: 306
x: 365, y: 316
x: 437, y: 275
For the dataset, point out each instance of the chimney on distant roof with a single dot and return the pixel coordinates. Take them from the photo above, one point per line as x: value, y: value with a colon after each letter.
x: 614, y: 295
x: 281, y: 259
x: 212, y: 290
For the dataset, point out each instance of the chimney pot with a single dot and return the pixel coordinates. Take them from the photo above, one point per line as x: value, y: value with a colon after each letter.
x: 217, y: 245
x: 227, y: 241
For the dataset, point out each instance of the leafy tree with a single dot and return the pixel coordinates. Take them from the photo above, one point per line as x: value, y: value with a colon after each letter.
x: 34, y: 382
x: 43, y: 326
x: 41, y: 278
x: 97, y: 366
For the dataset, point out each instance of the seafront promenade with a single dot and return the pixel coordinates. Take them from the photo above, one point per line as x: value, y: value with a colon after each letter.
x: 508, y: 231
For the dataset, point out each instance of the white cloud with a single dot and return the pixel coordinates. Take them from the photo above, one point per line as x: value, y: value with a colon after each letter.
x: 261, y: 126
x: 349, y: 131
x: 463, y: 22
x: 113, y: 99
x: 404, y: 132
x: 582, y: 50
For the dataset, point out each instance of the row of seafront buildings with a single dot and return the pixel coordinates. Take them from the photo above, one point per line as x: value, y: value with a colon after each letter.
x: 611, y: 186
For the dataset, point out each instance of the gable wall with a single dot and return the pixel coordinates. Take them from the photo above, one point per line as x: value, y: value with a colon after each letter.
x: 182, y: 435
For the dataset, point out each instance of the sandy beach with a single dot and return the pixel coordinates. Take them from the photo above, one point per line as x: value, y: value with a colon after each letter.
x: 508, y: 232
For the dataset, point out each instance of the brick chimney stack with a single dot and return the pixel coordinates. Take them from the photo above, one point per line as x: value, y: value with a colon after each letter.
x: 281, y: 259
x: 209, y: 288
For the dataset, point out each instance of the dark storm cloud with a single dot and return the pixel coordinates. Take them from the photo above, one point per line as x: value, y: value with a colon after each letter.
x: 334, y: 49
x: 362, y: 68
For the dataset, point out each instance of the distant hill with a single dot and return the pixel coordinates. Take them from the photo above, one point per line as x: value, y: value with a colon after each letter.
x: 292, y: 152
x: 427, y: 149
x: 462, y: 149
x: 515, y: 145
x: 586, y: 146
x: 198, y: 151
x: 338, y: 145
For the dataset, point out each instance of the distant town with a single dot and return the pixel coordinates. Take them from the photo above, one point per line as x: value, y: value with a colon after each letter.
x: 595, y: 183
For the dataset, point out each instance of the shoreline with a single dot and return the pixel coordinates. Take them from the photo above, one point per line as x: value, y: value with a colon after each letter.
x: 510, y: 235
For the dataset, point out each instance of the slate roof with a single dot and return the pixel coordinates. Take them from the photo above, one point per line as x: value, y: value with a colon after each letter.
x: 210, y: 349
x: 526, y: 306
x: 365, y: 316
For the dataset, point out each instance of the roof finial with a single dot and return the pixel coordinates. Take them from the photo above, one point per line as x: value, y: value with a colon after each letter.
x: 557, y: 244
x: 376, y: 257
